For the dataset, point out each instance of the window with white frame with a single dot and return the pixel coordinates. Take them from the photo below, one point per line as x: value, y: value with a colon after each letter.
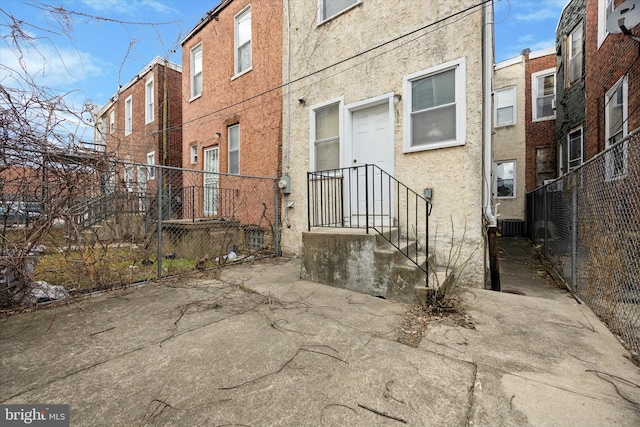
x: 574, y: 55
x: 605, y: 9
x: 543, y: 85
x: 505, y: 179
x: 196, y: 70
x: 234, y: 149
x: 128, y: 115
x: 435, y: 114
x: 327, y: 9
x: 505, y: 106
x: 616, y: 105
x: 325, y: 122
x: 574, y: 148
x: 151, y: 160
x: 149, y: 100
x: 112, y: 121
x: 243, y: 41
x: 193, y: 154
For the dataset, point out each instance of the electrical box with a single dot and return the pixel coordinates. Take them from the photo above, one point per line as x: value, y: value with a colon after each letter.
x: 285, y: 184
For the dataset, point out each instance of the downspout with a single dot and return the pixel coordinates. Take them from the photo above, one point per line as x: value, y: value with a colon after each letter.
x: 285, y: 160
x: 487, y: 155
x: 165, y: 113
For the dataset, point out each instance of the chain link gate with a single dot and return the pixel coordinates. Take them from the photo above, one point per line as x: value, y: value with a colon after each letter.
x: 588, y: 226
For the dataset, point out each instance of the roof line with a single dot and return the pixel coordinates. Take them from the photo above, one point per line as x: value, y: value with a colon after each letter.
x: 212, y: 14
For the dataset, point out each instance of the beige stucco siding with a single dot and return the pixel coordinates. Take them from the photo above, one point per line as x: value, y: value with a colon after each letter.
x: 375, y: 67
x: 509, y: 141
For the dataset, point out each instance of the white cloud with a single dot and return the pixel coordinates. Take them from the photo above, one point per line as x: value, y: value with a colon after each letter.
x: 129, y: 7
x: 542, y: 44
x: 526, y: 38
x: 46, y: 71
x: 537, y: 15
x: 529, y: 11
x: 49, y: 66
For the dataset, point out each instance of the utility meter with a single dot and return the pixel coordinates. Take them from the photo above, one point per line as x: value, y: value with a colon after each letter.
x: 285, y: 184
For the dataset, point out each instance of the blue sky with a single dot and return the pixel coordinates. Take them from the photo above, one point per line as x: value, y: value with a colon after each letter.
x: 87, y: 58
x: 522, y: 24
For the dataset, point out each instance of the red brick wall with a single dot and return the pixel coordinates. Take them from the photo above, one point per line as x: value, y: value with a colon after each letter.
x: 144, y: 137
x: 252, y: 100
x: 537, y: 134
x: 605, y: 65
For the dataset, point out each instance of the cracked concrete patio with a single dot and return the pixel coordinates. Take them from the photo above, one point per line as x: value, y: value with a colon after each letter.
x: 258, y: 346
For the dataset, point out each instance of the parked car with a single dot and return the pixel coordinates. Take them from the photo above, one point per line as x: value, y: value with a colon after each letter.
x: 19, y: 212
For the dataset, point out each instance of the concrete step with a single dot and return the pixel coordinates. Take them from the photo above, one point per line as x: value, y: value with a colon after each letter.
x: 440, y: 282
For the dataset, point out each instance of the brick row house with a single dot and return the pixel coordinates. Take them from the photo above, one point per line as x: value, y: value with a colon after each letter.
x: 140, y: 126
x: 232, y: 62
x: 581, y: 97
x: 232, y: 106
x: 598, y: 84
x: 524, y: 133
x: 283, y: 88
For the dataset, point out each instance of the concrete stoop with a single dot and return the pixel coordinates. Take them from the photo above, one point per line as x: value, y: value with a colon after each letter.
x: 366, y: 263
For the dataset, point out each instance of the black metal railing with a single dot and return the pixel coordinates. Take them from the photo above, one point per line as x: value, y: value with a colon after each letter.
x: 368, y: 197
x: 201, y: 202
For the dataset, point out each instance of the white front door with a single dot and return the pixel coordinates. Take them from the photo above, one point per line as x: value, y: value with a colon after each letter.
x: 211, y: 169
x: 372, y: 144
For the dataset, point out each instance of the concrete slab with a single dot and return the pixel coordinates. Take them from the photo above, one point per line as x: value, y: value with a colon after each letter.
x: 521, y: 271
x: 543, y: 359
x: 216, y: 352
x: 259, y: 346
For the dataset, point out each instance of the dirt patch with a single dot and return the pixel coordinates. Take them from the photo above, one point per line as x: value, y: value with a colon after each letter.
x: 418, y: 318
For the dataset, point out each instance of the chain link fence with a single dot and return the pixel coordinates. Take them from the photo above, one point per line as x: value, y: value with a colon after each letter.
x: 80, y: 226
x: 588, y: 227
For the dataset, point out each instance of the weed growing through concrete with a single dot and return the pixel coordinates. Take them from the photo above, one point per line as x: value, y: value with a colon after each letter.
x: 443, y: 301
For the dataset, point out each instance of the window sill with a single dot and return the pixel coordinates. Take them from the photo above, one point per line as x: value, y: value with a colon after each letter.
x: 505, y: 126
x: 543, y: 119
x: 505, y: 197
x: 432, y: 146
x: 193, y: 98
x: 242, y: 73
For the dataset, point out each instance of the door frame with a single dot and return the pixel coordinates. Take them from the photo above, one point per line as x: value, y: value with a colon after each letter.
x: 387, y: 152
x: 347, y: 147
x: 214, y: 187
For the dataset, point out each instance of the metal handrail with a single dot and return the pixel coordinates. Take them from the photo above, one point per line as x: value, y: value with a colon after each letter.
x: 368, y: 197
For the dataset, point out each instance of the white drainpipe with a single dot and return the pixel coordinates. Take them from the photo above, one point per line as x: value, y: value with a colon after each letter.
x: 487, y: 156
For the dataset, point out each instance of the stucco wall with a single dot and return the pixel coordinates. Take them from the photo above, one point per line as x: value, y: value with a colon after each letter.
x: 509, y: 141
x: 375, y: 69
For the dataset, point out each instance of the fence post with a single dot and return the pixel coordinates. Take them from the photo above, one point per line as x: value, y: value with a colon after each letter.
x: 159, y: 204
x: 276, y: 234
x: 574, y: 230
x: 544, y: 209
x: 366, y: 196
x: 309, y: 202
